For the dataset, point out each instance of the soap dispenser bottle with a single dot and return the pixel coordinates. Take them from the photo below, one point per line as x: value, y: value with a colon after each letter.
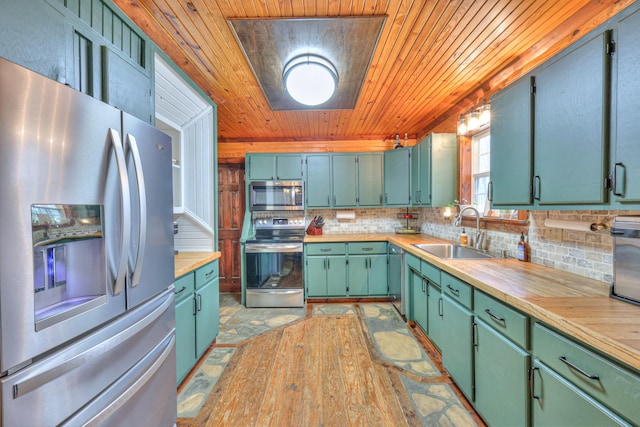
x: 464, y: 238
x: 523, y: 250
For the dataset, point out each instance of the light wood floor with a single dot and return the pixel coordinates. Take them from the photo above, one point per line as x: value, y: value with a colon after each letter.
x: 316, y: 372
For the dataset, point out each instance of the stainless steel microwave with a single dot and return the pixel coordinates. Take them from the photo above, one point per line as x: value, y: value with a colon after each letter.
x: 276, y: 195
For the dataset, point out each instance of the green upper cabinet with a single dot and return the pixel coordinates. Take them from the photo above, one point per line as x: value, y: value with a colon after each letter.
x: 275, y: 167
x: 318, y: 189
x: 626, y: 154
x: 34, y: 36
x: 370, y: 180
x: 434, y: 170
x: 512, y: 145
x: 345, y: 180
x: 397, y: 177
x: 571, y: 125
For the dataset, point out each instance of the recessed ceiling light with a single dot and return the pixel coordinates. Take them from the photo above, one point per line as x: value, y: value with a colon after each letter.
x: 310, y: 79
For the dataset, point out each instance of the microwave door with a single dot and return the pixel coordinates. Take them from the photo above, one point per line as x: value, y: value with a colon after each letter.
x: 54, y: 163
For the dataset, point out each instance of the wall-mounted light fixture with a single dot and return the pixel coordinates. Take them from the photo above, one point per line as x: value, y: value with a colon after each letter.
x: 310, y: 79
x: 475, y: 119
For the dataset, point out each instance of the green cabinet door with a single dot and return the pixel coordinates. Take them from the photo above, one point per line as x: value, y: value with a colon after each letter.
x: 626, y: 162
x: 33, y: 34
x: 370, y: 181
x: 316, y: 274
x: 378, y: 275
x: 434, y: 313
x: 359, y: 275
x: 185, y: 337
x: 207, y: 315
x: 336, y: 275
x: 418, y: 293
x: 318, y: 189
x: 512, y: 145
x: 571, y: 126
x: 421, y: 172
x: 345, y: 182
x: 289, y: 167
x: 457, y: 346
x: 501, y: 369
x: 261, y: 167
x: 556, y: 402
x: 397, y: 177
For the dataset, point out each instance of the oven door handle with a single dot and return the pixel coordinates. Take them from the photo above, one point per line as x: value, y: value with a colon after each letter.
x: 254, y: 248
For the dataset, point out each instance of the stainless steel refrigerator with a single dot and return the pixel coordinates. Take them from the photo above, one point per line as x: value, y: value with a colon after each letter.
x: 86, y: 260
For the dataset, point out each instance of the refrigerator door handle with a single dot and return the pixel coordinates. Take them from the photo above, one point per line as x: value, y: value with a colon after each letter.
x: 125, y: 195
x: 131, y: 146
x: 46, y: 375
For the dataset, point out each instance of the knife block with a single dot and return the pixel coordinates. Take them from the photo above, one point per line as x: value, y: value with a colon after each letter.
x: 312, y: 230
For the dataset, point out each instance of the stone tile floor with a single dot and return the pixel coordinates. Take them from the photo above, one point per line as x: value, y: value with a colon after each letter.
x: 436, y: 403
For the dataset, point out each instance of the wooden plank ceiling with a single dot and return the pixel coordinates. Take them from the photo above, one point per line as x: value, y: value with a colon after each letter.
x: 434, y: 58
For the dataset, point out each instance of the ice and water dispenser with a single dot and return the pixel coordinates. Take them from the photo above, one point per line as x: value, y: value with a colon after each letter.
x: 69, y: 266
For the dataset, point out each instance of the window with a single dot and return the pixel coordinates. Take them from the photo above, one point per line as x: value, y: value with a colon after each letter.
x: 480, y: 152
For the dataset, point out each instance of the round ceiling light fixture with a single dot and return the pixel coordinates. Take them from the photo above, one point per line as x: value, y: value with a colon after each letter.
x: 310, y: 79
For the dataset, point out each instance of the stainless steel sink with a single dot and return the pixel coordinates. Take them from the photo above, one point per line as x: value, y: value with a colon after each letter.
x: 450, y: 251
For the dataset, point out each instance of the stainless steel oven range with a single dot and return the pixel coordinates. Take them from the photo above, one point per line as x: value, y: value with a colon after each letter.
x: 274, y: 263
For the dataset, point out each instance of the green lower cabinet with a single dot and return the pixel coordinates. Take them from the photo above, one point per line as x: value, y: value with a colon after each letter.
x: 326, y: 276
x: 368, y: 275
x: 207, y: 315
x: 434, y: 313
x: 557, y: 402
x: 418, y: 289
x: 501, y: 369
x: 185, y: 337
x: 457, y: 347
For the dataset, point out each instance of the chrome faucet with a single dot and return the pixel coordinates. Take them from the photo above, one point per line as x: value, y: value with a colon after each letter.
x: 479, y: 238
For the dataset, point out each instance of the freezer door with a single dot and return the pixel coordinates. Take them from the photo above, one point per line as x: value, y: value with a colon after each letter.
x: 124, y: 369
x: 58, y: 151
x: 148, y: 153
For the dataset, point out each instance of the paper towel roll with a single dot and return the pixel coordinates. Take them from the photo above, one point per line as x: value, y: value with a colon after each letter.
x: 345, y: 215
x: 568, y: 225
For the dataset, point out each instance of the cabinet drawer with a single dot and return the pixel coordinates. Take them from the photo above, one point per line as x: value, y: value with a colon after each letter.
x: 206, y: 273
x: 456, y: 288
x: 325, y: 249
x: 184, y: 286
x: 430, y: 272
x: 615, y: 387
x: 367, y: 248
x: 502, y: 318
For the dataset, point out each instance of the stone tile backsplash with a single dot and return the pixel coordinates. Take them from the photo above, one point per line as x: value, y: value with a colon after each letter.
x: 585, y: 253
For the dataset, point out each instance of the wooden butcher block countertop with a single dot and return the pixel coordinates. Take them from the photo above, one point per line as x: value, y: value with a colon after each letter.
x: 189, y: 261
x: 576, y: 305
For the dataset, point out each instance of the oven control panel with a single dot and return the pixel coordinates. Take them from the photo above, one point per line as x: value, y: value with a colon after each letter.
x: 279, y: 223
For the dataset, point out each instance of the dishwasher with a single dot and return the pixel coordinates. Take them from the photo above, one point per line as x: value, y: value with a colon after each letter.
x: 396, y: 277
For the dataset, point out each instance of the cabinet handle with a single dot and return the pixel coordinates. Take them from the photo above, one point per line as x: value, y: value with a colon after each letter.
x: 199, y: 302
x: 380, y: 198
x: 325, y: 250
x: 208, y: 274
x: 328, y: 200
x: 532, y: 384
x: 454, y: 291
x: 328, y: 263
x: 614, y: 184
x: 180, y: 291
x: 536, y: 187
x: 494, y: 317
x: 440, y: 311
x: 367, y: 249
x: 195, y: 306
x: 324, y: 263
x: 474, y: 334
x: 334, y: 200
x: 385, y: 198
x: 424, y: 285
x: 490, y: 192
x: 578, y: 369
